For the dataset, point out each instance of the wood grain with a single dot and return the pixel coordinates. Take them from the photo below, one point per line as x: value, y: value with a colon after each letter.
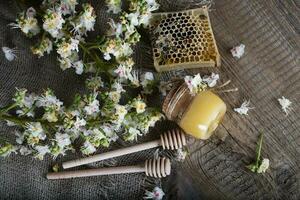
x: 269, y: 69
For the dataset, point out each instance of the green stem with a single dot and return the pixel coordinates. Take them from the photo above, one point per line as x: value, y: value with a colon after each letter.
x: 22, y: 121
x: 29, y: 110
x: 3, y: 140
x: 94, y: 47
x: 91, y: 55
x: 8, y: 108
x: 258, y: 151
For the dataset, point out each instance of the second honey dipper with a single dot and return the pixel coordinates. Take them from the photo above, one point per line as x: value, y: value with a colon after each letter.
x: 158, y: 168
x: 173, y: 139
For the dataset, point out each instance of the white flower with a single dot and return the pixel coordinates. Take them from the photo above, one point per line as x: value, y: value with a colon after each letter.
x: 94, y: 82
x: 64, y: 48
x: 98, y: 134
x: 132, y: 134
x: 79, y: 123
x: 153, y: 119
x: 238, y: 51
x: 41, y: 151
x: 20, y: 137
x: 29, y: 100
x: 285, y: 104
x: 9, y: 53
x: 114, y: 6
x: 67, y: 6
x: 62, y: 140
x: 119, y: 49
x: 48, y: 46
x: 86, y: 21
x: 134, y: 79
x: 114, y: 96
x: 118, y: 87
x: 244, y: 108
x: 74, y: 44
x: 122, y: 71
x: 92, y: 108
x: 152, y: 5
x: 265, y: 163
x: 65, y: 63
x: 147, y: 78
x: 53, y: 22
x: 125, y: 50
x: 25, y: 103
x: 109, y: 132
x: 133, y: 18
x: 45, y: 46
x: 116, y: 29
x: 139, y: 105
x: 107, y: 56
x: 120, y: 111
x: 195, y: 84
x: 49, y: 100
x: 211, y: 80
x: 130, y: 32
x: 50, y: 116
x: 28, y: 24
x: 24, y: 151
x: 145, y: 19
x: 78, y: 67
x: 87, y: 148
x: 36, y: 130
x: 156, y: 194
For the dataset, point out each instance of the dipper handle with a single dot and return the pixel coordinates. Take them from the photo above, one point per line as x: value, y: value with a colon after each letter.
x: 111, y: 154
x: 95, y: 172
x: 172, y: 139
x: 157, y: 168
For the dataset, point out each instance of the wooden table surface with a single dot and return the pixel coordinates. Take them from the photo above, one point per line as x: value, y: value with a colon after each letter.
x: 270, y: 68
x: 215, y: 168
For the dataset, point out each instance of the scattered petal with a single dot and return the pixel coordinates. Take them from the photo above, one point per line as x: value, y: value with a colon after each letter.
x: 285, y: 104
x: 156, y: 194
x: 9, y: 53
x: 24, y: 151
x: 211, y: 80
x: 238, y: 51
x: 265, y: 163
x: 243, y: 110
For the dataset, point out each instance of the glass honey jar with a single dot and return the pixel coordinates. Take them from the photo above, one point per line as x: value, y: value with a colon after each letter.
x: 197, y: 115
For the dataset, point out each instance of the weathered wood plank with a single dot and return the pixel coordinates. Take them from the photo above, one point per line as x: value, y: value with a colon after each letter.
x: 269, y: 69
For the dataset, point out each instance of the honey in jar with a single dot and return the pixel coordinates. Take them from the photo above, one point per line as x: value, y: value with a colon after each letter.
x: 197, y: 115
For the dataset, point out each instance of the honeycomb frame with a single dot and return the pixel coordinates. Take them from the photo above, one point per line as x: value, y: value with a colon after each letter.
x: 175, y: 38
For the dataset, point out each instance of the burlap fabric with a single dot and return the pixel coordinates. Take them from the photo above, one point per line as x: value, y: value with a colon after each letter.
x: 24, y: 177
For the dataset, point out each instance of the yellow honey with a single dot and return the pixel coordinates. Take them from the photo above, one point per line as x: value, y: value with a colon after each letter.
x: 203, y: 115
x: 197, y: 115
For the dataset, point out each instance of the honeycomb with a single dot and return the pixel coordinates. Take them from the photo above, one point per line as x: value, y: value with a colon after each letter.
x: 183, y: 40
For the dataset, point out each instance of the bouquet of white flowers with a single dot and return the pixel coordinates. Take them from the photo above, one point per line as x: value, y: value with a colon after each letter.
x: 104, y: 113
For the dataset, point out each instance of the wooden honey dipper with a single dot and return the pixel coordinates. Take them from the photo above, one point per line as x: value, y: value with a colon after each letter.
x: 157, y: 168
x: 173, y: 139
